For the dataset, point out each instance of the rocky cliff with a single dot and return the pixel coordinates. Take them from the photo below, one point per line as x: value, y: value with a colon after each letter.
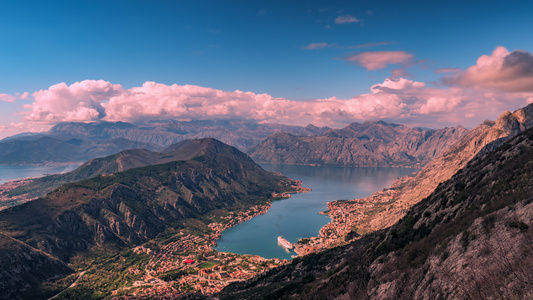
x: 482, y: 139
x: 371, y: 144
x: 471, y: 238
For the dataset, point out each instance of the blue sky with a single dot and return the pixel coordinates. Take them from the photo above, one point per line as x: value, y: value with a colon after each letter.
x: 257, y: 46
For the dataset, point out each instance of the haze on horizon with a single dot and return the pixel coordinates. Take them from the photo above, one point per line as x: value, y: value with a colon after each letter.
x: 290, y: 62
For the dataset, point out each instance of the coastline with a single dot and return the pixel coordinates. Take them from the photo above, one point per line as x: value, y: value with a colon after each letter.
x: 348, y: 219
x: 177, y: 255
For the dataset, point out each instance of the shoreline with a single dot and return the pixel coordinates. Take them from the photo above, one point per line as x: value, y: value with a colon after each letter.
x: 347, y: 219
x: 190, y: 252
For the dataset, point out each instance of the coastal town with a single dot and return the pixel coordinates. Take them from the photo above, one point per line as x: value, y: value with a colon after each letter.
x: 349, y: 220
x: 190, y: 264
x: 7, y: 200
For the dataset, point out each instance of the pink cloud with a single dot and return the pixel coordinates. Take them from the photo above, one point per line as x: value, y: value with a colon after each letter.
x: 7, y: 98
x: 81, y: 101
x: 374, y: 60
x: 396, y: 99
x: 23, y: 96
x: 314, y: 46
x: 447, y: 70
x: 510, y: 72
x: 346, y: 19
x: 12, y: 98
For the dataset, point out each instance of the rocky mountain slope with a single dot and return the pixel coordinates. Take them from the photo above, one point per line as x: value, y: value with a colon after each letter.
x: 122, y: 161
x: 124, y: 209
x: 24, y: 267
x: 371, y: 144
x: 479, y: 140
x: 469, y: 239
x: 78, y: 142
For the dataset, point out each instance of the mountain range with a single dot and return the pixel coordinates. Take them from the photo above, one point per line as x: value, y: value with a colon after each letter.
x: 371, y: 144
x: 73, y: 142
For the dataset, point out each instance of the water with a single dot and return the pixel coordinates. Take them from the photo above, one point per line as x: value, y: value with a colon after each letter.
x: 298, y: 217
x: 8, y: 173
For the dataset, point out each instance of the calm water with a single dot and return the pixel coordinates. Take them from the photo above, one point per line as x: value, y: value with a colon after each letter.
x: 298, y: 217
x: 8, y: 173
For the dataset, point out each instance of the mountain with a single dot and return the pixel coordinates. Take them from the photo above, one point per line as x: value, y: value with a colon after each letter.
x: 371, y: 144
x: 122, y: 161
x: 131, y: 207
x: 77, y: 142
x: 469, y: 239
x: 482, y: 139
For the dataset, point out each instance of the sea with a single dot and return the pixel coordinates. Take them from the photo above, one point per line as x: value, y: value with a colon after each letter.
x: 8, y: 173
x: 298, y: 217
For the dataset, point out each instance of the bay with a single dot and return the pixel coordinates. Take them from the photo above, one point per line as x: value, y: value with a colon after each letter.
x: 298, y: 217
x: 8, y: 172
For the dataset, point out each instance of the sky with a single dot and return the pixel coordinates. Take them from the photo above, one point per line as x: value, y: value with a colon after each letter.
x: 328, y: 63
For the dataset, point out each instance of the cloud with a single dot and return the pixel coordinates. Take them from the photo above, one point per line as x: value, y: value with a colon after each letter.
x: 12, y: 98
x: 81, y: 101
x: 447, y: 70
x: 314, y: 46
x: 373, y: 60
x: 510, y: 72
x: 92, y: 100
x: 396, y: 99
x: 346, y: 19
x: 7, y: 98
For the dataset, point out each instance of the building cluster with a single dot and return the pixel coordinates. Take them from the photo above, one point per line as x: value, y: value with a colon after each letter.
x: 346, y: 216
x: 200, y: 267
x: 8, y: 200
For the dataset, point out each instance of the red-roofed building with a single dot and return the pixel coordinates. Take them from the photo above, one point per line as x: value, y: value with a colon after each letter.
x: 188, y: 261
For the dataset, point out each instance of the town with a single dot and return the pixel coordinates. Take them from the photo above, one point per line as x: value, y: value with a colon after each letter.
x: 190, y: 264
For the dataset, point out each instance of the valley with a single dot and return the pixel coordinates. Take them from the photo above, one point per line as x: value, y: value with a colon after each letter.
x: 192, y: 192
x: 270, y: 150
